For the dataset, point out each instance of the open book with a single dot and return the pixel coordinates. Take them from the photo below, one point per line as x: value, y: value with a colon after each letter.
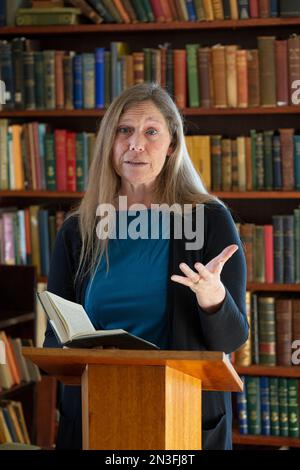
x: 74, y: 329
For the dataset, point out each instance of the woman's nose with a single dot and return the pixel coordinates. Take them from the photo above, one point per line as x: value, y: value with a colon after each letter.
x: 136, y: 144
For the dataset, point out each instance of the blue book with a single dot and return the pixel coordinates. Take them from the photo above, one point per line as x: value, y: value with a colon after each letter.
x: 297, y: 161
x: 9, y: 424
x: 44, y: 241
x: 265, y: 406
x: 274, y: 10
x: 277, y: 163
x: 42, y: 133
x: 78, y: 82
x: 2, y: 13
x: 241, y: 401
x: 191, y: 10
x: 100, y: 77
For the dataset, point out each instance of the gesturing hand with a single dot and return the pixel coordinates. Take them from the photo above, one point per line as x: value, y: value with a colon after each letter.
x: 206, y: 282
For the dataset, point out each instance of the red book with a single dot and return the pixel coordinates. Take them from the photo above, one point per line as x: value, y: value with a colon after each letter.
x: 71, y: 161
x: 253, y: 8
x: 157, y: 11
x: 180, y: 77
x: 269, y: 253
x: 60, y: 139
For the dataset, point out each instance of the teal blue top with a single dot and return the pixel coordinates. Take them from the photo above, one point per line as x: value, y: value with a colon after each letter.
x: 133, y: 294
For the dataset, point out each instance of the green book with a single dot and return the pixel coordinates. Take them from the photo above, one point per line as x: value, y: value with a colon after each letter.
x: 47, y: 16
x: 253, y: 157
x: 297, y: 244
x: 293, y: 407
x: 80, y: 161
x: 268, y: 159
x: 50, y: 164
x: 253, y: 405
x: 193, y: 77
x: 267, y: 331
x: 259, y: 250
x: 274, y: 406
x: 148, y: 10
x: 283, y: 407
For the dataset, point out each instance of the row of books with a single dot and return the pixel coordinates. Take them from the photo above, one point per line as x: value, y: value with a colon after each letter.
x: 265, y: 160
x: 274, y: 329
x: 221, y: 76
x: 272, y: 251
x: 35, y: 158
x: 27, y: 236
x: 132, y: 11
x: 13, y: 426
x: 269, y: 406
x: 17, y: 368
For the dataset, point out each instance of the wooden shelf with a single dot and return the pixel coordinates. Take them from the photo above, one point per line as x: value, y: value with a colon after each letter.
x: 142, y: 27
x: 270, y: 371
x: 221, y: 194
x: 15, y: 389
x: 276, y: 441
x: 97, y: 113
x: 264, y: 287
x: 16, y: 320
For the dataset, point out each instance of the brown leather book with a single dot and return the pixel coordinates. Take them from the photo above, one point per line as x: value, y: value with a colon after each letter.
x: 295, y: 319
x: 267, y: 74
x: 293, y: 61
x: 205, y: 79
x: 282, y: 72
x: 138, y: 67
x: 242, y: 78
x: 253, y: 78
x: 226, y: 164
x: 180, y: 84
x: 283, y: 316
x: 219, y: 76
x: 231, y: 75
x: 287, y: 151
x: 264, y: 8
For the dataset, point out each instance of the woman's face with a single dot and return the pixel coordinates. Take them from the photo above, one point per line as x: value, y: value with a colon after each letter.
x: 141, y: 145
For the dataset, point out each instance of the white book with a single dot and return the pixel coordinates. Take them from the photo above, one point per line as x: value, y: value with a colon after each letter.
x: 73, y: 327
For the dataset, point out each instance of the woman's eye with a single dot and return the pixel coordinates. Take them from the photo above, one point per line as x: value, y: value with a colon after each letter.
x: 122, y: 130
x: 152, y: 131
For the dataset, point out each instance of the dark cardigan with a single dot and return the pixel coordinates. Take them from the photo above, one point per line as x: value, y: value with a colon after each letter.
x: 189, y: 327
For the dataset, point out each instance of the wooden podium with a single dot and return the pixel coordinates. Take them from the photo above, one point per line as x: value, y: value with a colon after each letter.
x: 139, y: 400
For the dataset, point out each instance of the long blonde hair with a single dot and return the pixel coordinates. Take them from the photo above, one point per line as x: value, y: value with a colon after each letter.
x: 178, y: 181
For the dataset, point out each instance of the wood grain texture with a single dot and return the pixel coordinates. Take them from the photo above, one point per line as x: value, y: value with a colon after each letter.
x: 212, y: 367
x: 137, y: 407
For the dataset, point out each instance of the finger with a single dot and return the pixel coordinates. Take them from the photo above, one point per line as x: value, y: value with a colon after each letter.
x: 185, y: 281
x: 221, y: 259
x: 203, y: 271
x: 194, y: 277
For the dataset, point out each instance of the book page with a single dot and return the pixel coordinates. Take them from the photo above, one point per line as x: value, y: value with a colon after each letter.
x: 73, y: 314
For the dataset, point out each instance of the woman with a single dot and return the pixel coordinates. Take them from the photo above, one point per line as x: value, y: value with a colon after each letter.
x: 177, y: 298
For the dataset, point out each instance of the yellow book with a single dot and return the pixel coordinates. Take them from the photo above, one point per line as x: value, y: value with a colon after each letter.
x: 242, y: 356
x: 5, y: 435
x: 234, y: 10
x: 208, y: 10
x: 17, y: 156
x: 201, y: 149
x: 218, y: 9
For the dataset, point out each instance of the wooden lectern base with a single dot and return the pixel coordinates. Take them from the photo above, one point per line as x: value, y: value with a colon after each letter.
x: 138, y: 407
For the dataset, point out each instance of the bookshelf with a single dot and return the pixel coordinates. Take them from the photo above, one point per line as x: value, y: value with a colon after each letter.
x: 238, y: 121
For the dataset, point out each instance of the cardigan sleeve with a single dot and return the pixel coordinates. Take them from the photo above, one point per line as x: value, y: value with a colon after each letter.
x: 227, y: 328
x: 61, y: 277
